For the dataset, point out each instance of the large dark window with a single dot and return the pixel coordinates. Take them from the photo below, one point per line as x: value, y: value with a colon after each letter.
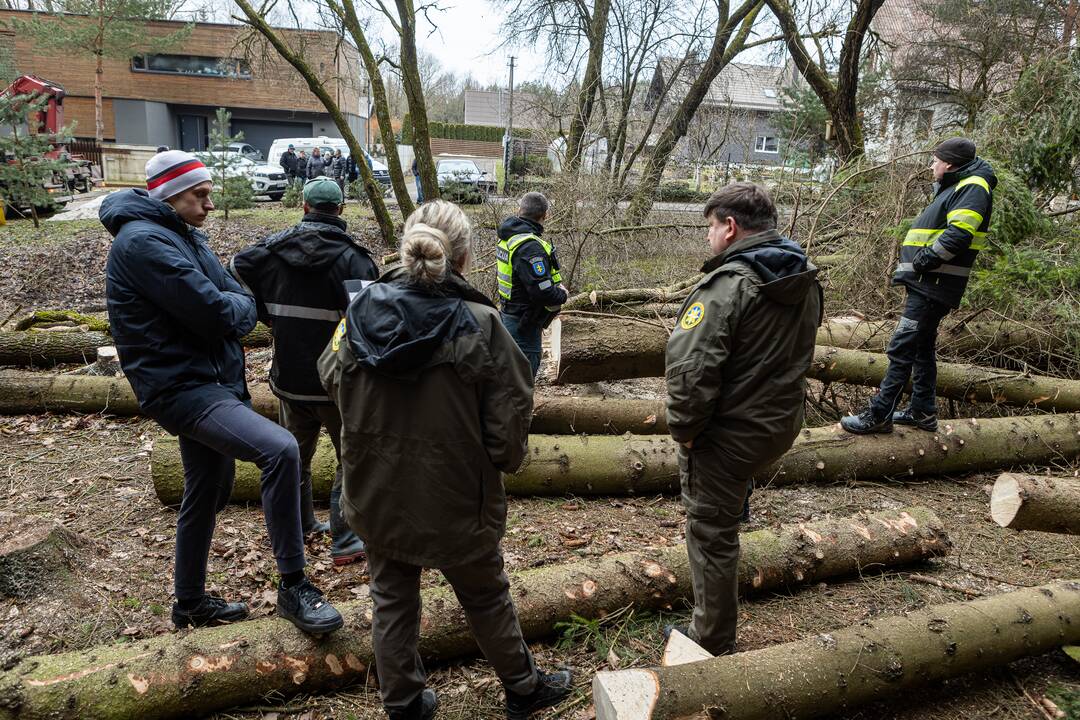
x: 192, y: 65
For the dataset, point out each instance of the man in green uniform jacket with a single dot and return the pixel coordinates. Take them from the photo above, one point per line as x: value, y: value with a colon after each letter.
x: 736, y: 367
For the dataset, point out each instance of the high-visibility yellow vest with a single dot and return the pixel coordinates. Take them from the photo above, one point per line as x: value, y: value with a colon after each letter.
x: 504, y: 260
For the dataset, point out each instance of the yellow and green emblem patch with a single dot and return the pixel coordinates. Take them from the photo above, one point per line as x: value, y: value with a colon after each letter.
x: 335, y: 343
x: 692, y: 316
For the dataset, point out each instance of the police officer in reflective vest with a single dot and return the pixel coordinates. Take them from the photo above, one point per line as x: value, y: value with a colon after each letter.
x: 935, y: 262
x: 530, y: 284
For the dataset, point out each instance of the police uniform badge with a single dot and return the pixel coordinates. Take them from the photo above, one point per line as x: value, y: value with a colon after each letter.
x: 335, y: 343
x: 539, y: 267
x: 693, y: 315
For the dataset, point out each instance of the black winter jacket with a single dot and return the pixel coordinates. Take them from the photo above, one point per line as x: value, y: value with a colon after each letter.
x: 939, y: 251
x: 297, y: 277
x: 530, y: 293
x: 175, y: 313
x: 288, y: 162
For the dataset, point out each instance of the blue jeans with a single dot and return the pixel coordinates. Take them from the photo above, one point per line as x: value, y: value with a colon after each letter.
x: 419, y: 191
x: 912, y: 355
x: 527, y: 338
x: 230, y: 431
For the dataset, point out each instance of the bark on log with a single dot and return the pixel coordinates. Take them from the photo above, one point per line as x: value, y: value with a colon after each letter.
x: 838, y: 671
x: 1035, y: 502
x: 30, y: 393
x: 954, y: 380
x: 613, y: 465
x: 213, y: 669
x: 35, y: 553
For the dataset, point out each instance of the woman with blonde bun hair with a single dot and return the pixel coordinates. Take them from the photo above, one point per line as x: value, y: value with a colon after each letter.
x: 436, y: 401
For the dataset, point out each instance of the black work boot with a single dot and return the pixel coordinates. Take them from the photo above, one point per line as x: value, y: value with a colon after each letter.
x: 683, y: 629
x: 305, y: 607
x: 551, y: 690
x: 422, y: 707
x: 346, y: 547
x: 210, y: 611
x: 866, y: 424
x: 907, y: 417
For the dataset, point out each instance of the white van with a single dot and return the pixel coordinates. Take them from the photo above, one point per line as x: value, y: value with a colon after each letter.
x: 327, y: 146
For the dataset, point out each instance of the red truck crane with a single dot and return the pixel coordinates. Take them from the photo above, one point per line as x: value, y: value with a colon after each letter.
x: 80, y: 175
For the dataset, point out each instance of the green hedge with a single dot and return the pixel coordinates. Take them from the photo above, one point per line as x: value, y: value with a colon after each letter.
x: 452, y: 131
x: 680, y: 192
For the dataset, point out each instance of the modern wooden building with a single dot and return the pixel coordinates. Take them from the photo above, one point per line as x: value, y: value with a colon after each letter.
x: 170, y: 98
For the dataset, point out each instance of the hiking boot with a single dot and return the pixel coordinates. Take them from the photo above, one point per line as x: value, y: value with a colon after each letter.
x: 551, y: 690
x: 210, y: 611
x: 317, y: 527
x: 907, y: 417
x: 353, y: 552
x: 305, y: 607
x: 422, y: 707
x: 866, y: 424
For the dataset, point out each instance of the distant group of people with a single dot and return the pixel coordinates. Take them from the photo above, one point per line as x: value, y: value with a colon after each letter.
x: 425, y: 387
x: 299, y: 167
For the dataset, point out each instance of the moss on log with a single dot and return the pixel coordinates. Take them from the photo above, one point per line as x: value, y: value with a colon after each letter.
x: 841, y: 670
x: 35, y: 553
x: 48, y: 317
x: 1036, y: 502
x: 614, y: 465
x: 199, y: 672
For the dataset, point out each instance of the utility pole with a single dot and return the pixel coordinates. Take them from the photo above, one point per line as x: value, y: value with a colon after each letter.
x: 508, y: 139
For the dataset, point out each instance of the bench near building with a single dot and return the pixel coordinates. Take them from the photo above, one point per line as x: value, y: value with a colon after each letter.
x: 170, y: 98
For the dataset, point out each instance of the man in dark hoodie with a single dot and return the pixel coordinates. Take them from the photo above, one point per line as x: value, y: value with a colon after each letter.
x: 530, y: 283
x: 177, y: 318
x: 298, y: 279
x: 736, y: 367
x: 288, y: 163
x: 936, y: 259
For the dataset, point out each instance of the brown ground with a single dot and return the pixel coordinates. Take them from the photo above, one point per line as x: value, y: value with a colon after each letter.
x: 92, y: 473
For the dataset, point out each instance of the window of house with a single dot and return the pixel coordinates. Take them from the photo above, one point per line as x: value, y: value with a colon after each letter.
x: 769, y: 92
x: 192, y: 65
x: 767, y: 144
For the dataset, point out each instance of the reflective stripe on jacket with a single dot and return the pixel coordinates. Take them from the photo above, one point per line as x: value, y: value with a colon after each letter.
x: 504, y: 256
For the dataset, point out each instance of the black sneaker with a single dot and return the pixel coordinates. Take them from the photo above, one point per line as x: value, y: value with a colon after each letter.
x: 866, y: 424
x: 422, y: 707
x: 210, y: 611
x: 923, y: 422
x: 552, y: 689
x: 305, y: 607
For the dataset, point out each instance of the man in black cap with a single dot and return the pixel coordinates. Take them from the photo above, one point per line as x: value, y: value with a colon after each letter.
x: 935, y: 262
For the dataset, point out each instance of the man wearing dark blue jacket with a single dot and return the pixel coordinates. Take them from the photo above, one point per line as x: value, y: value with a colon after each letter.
x: 177, y: 319
x: 298, y: 280
x: 936, y: 259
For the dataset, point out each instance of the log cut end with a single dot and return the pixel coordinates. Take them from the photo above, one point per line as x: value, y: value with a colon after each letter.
x: 625, y: 694
x: 555, y: 338
x: 681, y: 650
x: 33, y: 550
x: 1005, y: 500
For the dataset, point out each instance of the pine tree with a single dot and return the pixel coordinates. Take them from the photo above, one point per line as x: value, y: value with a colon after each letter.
x: 101, y: 29
x: 24, y: 169
x: 232, y: 187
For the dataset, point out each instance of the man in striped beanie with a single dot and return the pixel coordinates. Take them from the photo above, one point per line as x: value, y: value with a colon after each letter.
x: 177, y: 318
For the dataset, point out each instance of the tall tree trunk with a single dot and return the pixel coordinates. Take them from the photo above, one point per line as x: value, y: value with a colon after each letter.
x: 590, y: 84
x: 99, y: 74
x: 346, y: 12
x: 838, y: 671
x: 372, y: 187
x: 723, y: 49
x: 211, y: 669
x: 414, y: 92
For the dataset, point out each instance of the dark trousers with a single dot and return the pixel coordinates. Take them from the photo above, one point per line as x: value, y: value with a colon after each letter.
x: 528, y: 337
x: 714, y: 502
x: 305, y: 421
x: 227, y: 432
x: 912, y: 355
x: 483, y: 590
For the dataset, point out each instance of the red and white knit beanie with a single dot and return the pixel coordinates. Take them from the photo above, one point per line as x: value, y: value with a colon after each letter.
x: 172, y: 172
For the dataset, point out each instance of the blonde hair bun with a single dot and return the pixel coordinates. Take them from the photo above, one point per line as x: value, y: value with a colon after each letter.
x: 423, y: 253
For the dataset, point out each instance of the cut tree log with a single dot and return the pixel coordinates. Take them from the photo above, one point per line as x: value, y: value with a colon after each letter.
x: 197, y: 673
x: 635, y: 464
x: 24, y: 392
x: 1035, y: 502
x: 45, y: 348
x: 613, y: 348
x: 35, y: 553
x: 840, y: 670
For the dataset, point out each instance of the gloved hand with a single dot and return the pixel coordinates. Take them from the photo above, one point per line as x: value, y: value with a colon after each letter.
x: 926, y: 260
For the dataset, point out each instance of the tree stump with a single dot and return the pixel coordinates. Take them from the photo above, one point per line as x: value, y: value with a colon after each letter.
x: 35, y: 553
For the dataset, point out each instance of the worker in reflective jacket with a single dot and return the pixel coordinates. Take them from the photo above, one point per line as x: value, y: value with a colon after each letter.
x: 936, y: 259
x: 530, y: 283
